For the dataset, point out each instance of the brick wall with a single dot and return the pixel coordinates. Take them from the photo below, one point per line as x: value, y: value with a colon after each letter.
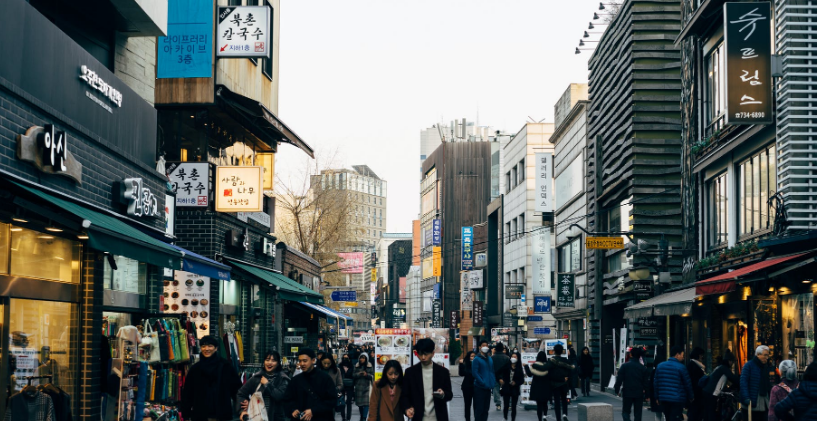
x: 135, y: 64
x: 90, y: 309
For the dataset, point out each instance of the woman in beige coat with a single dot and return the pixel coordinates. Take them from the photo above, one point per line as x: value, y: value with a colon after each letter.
x: 385, y: 401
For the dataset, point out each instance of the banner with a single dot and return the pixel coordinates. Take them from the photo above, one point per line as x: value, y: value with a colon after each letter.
x: 391, y: 344
x: 437, y: 255
x: 544, y: 183
x: 566, y: 291
x: 501, y: 334
x: 540, y: 244
x: 441, y: 342
x: 467, y: 248
x: 466, y: 297
x: 351, y: 262
x: 402, y: 297
x: 748, y: 64
x: 436, y: 232
x: 476, y: 316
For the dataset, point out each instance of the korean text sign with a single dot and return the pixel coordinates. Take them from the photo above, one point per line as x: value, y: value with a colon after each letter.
x: 244, y: 32
x: 190, y: 182
x: 187, y: 50
x: 436, y: 232
x: 351, y: 262
x: 467, y: 248
x: 566, y: 290
x: 748, y: 44
x: 238, y: 189
x: 544, y: 183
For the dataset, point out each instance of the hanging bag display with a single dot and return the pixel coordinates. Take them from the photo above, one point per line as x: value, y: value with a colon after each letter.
x: 171, y: 356
x: 181, y: 339
x: 149, y: 347
x: 174, y: 340
x: 164, y: 344
x: 256, y: 409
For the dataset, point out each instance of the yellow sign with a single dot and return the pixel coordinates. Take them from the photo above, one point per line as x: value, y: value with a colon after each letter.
x: 239, y: 189
x: 428, y: 267
x: 437, y: 254
x: 350, y: 303
x: 293, y: 349
x: 604, y: 243
x: 374, y: 274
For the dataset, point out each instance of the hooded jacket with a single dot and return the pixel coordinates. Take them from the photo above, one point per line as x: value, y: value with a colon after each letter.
x: 540, y: 385
x: 803, y: 401
x: 364, y: 376
x: 208, y: 390
x: 484, y: 373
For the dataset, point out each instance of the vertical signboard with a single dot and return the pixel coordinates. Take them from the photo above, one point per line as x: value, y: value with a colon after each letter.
x: 476, y: 316
x: 566, y: 290
x: 540, y: 244
x: 187, y: 50
x: 455, y: 319
x: 467, y: 248
x: 748, y: 65
x: 437, y: 255
x: 466, y: 298
x: 436, y: 314
x: 436, y: 232
x: 544, y: 183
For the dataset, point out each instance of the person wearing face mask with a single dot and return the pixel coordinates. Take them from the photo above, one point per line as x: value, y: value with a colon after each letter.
x: 210, y: 386
x: 426, y: 386
x: 272, y: 382
x: 484, y: 380
x: 347, y: 368
x: 780, y: 391
x: 512, y: 380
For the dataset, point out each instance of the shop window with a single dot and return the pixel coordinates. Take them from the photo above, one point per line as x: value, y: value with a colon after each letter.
x: 4, y: 248
x: 130, y: 275
x: 797, y: 312
x: 570, y: 256
x: 767, y: 325
x: 758, y: 181
x: 715, y: 90
x: 38, y: 255
x: 43, y: 342
x: 230, y: 293
x: 718, y: 205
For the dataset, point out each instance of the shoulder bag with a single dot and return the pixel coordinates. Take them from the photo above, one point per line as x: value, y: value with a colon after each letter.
x: 256, y: 409
x: 181, y: 340
x: 149, y: 348
x: 164, y: 349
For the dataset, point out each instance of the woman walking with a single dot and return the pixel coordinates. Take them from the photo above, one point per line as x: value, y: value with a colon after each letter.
x: 272, y: 382
x: 788, y: 382
x: 364, y: 374
x: 540, y: 386
x: 347, y: 368
x: 586, y: 367
x: 327, y: 364
x: 386, y: 396
x: 512, y: 378
x: 467, y: 382
x: 559, y: 375
x: 718, y: 382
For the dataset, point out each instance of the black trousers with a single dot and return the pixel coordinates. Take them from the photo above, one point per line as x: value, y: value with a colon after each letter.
x: 482, y: 401
x: 542, y: 409
x: 468, y: 397
x: 560, y: 401
x: 350, y: 398
x: 511, y: 401
x: 586, y: 386
x: 673, y: 411
x: 636, y: 404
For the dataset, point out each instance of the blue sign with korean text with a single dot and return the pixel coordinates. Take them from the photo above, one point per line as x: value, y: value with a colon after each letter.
x: 436, y: 232
x: 535, y: 318
x: 436, y: 295
x: 187, y: 50
x: 344, y: 295
x: 541, y: 304
x: 467, y: 248
x: 541, y: 331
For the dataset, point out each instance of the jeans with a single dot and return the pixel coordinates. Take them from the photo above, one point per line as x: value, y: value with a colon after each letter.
x: 468, y: 397
x: 586, y: 386
x: 512, y: 402
x: 673, y: 411
x: 482, y: 403
x: 364, y: 412
x: 560, y: 401
x: 497, y: 397
x: 636, y: 404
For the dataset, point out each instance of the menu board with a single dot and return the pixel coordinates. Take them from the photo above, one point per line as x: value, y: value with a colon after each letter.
x: 391, y: 344
x: 189, y: 294
x: 27, y: 363
x: 528, y: 358
x: 441, y: 340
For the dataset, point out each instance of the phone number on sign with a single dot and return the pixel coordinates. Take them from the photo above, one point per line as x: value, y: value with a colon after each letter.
x: 756, y: 114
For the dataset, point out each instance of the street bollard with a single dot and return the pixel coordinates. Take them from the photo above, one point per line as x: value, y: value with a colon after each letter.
x: 595, y: 412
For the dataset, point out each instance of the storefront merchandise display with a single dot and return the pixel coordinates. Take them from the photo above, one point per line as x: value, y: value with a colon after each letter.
x: 797, y: 313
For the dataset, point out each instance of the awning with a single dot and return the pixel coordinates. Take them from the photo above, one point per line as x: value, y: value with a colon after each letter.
x: 287, y: 288
x: 109, y: 234
x: 673, y: 303
x: 200, y: 265
x: 257, y: 117
x: 726, y: 282
x: 326, y: 311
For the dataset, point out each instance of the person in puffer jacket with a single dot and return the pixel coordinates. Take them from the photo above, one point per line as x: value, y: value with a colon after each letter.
x: 756, y: 384
x: 802, y: 401
x: 672, y: 386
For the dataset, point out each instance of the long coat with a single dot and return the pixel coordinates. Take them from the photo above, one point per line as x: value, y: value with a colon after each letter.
x: 412, y: 396
x: 389, y: 411
x: 364, y: 376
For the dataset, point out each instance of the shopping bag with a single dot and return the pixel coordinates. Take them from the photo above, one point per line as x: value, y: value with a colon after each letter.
x: 181, y: 339
x: 256, y: 409
x: 164, y: 344
x: 149, y: 347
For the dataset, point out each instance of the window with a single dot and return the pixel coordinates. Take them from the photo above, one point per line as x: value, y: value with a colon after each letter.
x: 718, y: 205
x: 522, y: 279
x: 130, y: 275
x: 507, y: 182
x: 38, y: 255
x: 521, y: 170
x: 381, y: 201
x: 715, y: 90
x: 758, y: 181
x: 570, y: 256
x: 514, y: 178
x: 514, y: 226
x: 521, y: 225
x: 507, y: 235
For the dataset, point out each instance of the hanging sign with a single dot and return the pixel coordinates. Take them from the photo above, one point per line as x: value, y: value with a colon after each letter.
x: 540, y: 244
x: 467, y: 248
x: 436, y: 232
x: 187, y: 50
x: 139, y: 199
x: 436, y: 314
x: 514, y: 292
x: 566, y: 290
x: 544, y: 183
x: 748, y: 45
x: 47, y: 148
x: 476, y: 315
x: 190, y: 181
x: 437, y: 260
x: 475, y: 279
x: 642, y: 290
x: 542, y: 304
x: 466, y: 297
x: 244, y: 32
x: 238, y: 189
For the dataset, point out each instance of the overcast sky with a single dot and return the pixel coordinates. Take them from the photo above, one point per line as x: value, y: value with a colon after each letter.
x: 363, y: 77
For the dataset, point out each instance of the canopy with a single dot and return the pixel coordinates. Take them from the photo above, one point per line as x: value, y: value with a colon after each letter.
x: 327, y: 311
x: 287, y: 288
x: 107, y: 233
x: 673, y: 303
x: 725, y: 283
x: 200, y: 265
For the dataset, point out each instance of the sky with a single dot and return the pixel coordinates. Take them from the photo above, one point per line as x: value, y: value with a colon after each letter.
x: 359, y: 79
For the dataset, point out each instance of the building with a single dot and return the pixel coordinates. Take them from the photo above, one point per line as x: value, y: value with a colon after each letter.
x: 384, y: 266
x: 392, y: 296
x: 569, y: 140
x: 633, y: 167
x: 524, y: 237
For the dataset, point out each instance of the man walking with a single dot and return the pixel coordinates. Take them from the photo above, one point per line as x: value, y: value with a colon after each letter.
x: 426, y: 386
x: 634, y: 377
x: 312, y: 394
x: 755, y: 383
x: 483, y: 371
x: 673, y: 388
x: 500, y: 360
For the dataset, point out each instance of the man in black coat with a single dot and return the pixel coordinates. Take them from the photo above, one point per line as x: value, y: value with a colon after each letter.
x: 635, y: 379
x: 420, y: 400
x: 210, y: 386
x: 311, y: 393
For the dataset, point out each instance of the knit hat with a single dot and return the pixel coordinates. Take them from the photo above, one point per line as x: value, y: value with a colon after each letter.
x: 208, y: 340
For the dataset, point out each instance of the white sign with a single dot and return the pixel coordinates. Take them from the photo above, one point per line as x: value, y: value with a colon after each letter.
x: 540, y: 244
x: 260, y: 217
x: 366, y: 339
x: 244, y: 32
x: 570, y: 182
x: 140, y: 200
x: 191, y: 184
x: 239, y: 189
x: 544, y: 183
x: 467, y: 298
x: 480, y: 260
x: 475, y: 279
x: 527, y: 358
x: 93, y: 80
x: 293, y: 339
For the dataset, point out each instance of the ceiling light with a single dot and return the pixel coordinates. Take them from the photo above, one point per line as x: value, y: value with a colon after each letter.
x: 771, y: 289
x: 53, y: 229
x: 82, y: 236
x: 45, y: 237
x: 581, y: 43
x: 21, y: 220
x: 806, y: 281
x: 15, y: 229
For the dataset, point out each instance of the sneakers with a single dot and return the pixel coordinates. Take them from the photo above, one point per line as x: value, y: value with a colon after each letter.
x: 499, y: 407
x: 564, y: 417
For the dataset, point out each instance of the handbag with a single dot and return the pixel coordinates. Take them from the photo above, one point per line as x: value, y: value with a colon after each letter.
x: 149, y: 348
x: 174, y: 339
x: 341, y: 402
x: 182, y: 341
x: 256, y: 409
x: 171, y: 357
x: 164, y: 349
